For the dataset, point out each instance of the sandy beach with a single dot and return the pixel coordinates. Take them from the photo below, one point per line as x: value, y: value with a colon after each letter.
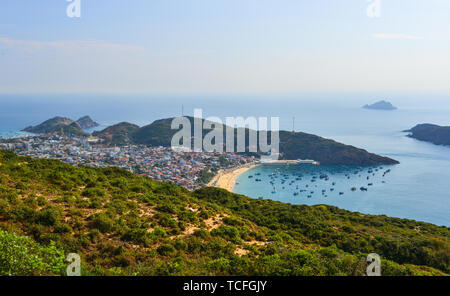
x: 226, y: 179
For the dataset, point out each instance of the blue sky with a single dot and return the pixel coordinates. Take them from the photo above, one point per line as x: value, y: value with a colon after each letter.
x: 224, y: 46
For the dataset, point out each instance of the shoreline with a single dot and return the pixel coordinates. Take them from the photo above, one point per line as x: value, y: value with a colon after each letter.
x: 226, y: 179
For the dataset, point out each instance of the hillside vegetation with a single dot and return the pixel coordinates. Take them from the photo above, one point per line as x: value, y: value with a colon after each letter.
x: 123, y: 224
x: 118, y: 134
x: 63, y: 125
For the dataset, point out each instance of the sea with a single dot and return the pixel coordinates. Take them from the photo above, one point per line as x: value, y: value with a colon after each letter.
x: 418, y: 188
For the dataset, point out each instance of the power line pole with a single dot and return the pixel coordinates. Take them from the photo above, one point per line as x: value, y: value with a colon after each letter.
x: 293, y: 125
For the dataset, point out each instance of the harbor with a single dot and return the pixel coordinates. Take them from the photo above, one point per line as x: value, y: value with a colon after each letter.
x: 289, y: 162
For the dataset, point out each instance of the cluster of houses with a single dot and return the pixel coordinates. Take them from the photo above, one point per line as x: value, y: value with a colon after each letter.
x: 159, y: 163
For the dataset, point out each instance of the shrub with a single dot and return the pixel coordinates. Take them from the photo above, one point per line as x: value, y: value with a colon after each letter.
x: 102, y: 222
x: 158, y: 232
x: 48, y: 216
x: 232, y: 221
x: 4, y: 207
x: 138, y: 236
x: 201, y: 233
x: 20, y: 256
x: 94, y: 192
x: 165, y: 250
x: 166, y: 208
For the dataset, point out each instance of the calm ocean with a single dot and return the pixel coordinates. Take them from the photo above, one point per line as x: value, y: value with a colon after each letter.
x: 418, y: 188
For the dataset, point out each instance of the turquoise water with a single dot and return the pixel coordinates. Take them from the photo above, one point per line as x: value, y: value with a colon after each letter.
x: 418, y: 188
x: 402, y: 192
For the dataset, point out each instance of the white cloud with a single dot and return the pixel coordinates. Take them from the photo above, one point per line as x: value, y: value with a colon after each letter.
x: 397, y: 36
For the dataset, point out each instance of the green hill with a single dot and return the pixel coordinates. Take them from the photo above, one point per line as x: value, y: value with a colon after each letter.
x: 292, y: 145
x: 158, y: 133
x: 49, y: 126
x: 87, y: 122
x: 326, y: 151
x: 123, y: 224
x: 58, y: 125
x: 118, y: 134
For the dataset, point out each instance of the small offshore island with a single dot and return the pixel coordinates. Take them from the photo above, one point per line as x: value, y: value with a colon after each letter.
x: 381, y: 105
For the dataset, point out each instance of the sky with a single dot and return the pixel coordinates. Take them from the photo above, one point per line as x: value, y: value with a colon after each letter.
x: 224, y: 46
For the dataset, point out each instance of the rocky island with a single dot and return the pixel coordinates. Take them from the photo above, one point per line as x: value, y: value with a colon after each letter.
x: 86, y: 122
x: 381, y: 105
x: 63, y: 125
x: 439, y: 135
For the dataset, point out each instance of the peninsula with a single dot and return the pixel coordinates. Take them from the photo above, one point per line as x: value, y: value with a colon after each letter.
x: 63, y: 125
x: 439, y: 135
x: 293, y: 145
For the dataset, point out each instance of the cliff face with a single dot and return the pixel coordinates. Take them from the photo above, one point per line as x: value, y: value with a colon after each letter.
x: 439, y: 135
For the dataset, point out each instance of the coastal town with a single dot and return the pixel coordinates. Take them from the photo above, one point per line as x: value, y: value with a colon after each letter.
x: 191, y: 170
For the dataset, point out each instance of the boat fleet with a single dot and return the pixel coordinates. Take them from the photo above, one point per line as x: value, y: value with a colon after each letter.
x: 305, y: 183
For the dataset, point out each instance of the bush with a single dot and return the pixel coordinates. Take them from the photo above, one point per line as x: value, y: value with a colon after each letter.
x: 139, y: 236
x: 4, y: 207
x: 94, y: 192
x: 102, y: 222
x: 20, y: 256
x: 232, y: 221
x: 166, y: 250
x: 48, y: 216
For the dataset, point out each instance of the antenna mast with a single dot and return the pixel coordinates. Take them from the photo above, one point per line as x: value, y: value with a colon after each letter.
x: 293, y: 125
